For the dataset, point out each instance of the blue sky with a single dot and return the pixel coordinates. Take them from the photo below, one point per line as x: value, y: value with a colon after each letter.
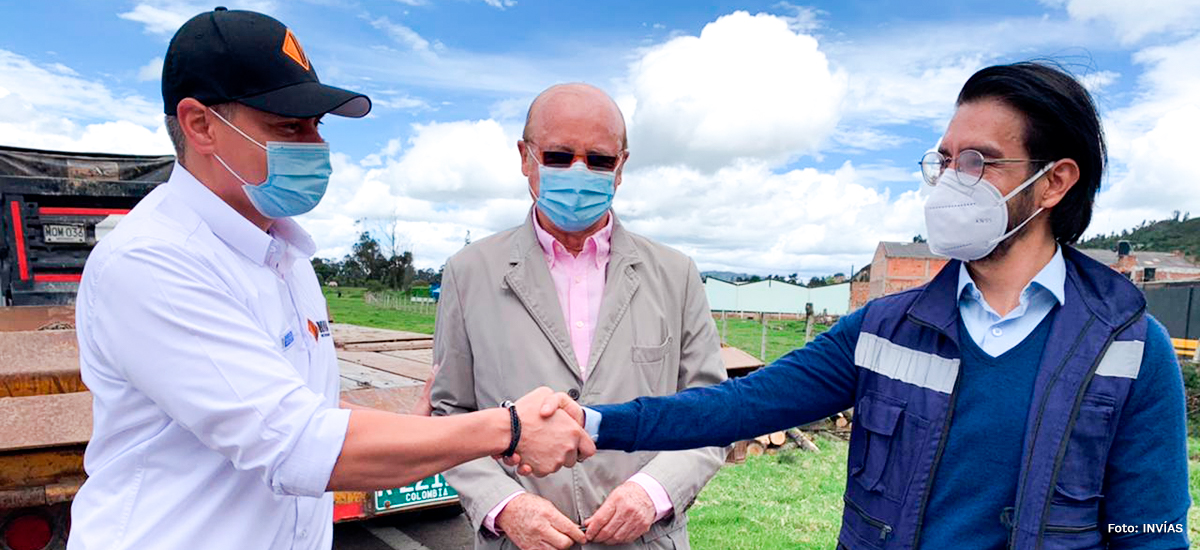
x: 765, y: 137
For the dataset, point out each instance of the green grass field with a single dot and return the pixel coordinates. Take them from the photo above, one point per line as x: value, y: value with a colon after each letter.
x: 792, y: 500
x: 782, y: 335
x: 350, y: 308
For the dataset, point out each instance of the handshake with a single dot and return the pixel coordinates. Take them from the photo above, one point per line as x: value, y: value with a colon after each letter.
x: 552, y: 434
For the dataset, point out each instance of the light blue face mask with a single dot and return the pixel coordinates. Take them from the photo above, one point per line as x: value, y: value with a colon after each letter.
x: 574, y: 198
x: 297, y: 176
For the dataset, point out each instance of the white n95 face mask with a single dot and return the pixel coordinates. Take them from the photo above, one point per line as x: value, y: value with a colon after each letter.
x: 967, y: 222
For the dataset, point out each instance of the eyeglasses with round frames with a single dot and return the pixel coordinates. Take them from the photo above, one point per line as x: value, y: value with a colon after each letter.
x: 970, y: 164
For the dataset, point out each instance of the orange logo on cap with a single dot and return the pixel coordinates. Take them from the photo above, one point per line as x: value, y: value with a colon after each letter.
x: 292, y: 49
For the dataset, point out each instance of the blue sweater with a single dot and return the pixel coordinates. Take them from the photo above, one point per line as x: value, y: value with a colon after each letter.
x: 1147, y: 470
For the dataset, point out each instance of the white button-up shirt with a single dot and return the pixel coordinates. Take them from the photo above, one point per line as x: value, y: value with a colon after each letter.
x: 206, y: 346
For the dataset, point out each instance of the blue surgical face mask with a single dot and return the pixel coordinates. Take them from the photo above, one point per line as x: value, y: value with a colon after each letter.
x: 297, y: 176
x: 574, y: 198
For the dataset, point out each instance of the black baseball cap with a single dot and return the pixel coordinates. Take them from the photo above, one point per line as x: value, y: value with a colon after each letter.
x: 250, y: 58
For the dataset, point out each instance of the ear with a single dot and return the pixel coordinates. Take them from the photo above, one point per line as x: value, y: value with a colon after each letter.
x: 528, y: 168
x: 1059, y: 180
x: 525, y: 163
x: 620, y: 170
x: 197, y: 126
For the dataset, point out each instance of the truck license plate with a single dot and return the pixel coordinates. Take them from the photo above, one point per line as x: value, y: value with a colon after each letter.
x: 65, y: 233
x: 427, y: 491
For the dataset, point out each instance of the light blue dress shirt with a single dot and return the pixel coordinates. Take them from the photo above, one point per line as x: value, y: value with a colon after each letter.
x: 995, y: 334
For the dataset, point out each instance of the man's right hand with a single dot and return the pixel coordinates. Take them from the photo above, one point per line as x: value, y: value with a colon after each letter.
x: 550, y: 442
x: 533, y: 523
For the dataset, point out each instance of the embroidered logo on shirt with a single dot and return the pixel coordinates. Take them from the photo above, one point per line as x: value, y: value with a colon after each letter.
x: 288, y: 339
x: 318, y: 329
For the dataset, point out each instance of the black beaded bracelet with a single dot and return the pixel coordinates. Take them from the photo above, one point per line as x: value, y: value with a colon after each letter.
x: 516, y: 428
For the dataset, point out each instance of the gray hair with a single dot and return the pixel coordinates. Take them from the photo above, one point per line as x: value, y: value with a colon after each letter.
x: 175, y: 130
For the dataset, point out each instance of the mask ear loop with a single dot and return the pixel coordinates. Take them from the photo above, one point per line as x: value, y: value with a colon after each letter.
x: 1019, y: 188
x: 1029, y: 181
x: 238, y: 130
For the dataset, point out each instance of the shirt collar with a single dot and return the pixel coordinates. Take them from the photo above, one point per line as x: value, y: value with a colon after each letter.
x: 234, y: 229
x: 598, y: 243
x: 1052, y: 278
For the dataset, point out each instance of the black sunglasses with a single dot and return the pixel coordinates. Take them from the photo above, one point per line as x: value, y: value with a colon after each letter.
x: 594, y: 161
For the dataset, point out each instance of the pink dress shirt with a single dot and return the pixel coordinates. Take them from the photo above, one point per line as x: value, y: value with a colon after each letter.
x: 579, y: 281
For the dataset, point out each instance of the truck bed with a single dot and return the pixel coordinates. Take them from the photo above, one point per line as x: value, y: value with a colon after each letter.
x: 46, y: 411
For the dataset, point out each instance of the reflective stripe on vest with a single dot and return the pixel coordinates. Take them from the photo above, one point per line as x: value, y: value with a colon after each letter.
x: 897, y: 362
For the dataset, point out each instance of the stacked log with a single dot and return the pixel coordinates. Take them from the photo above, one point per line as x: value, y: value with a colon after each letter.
x: 771, y: 444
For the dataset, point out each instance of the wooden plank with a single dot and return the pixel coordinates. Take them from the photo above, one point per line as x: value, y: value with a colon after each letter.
x: 736, y: 359
x: 423, y: 356
x: 397, y: 400
x: 20, y: 318
x: 390, y: 346
x: 353, y: 334
x: 395, y: 365
x: 367, y: 377
x: 45, y: 421
x: 39, y: 362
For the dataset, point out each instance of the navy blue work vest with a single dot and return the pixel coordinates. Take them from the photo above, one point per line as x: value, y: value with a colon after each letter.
x: 908, y: 363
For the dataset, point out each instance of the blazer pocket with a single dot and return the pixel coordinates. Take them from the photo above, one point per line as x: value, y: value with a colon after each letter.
x: 652, y: 354
x: 649, y: 361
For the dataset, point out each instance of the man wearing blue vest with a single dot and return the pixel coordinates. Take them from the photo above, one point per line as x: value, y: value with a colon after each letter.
x: 1023, y: 399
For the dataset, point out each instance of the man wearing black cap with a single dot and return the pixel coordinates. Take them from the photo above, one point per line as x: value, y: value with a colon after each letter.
x: 203, y: 335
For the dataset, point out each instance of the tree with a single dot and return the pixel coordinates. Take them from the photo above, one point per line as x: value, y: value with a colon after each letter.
x: 918, y: 239
x: 326, y: 271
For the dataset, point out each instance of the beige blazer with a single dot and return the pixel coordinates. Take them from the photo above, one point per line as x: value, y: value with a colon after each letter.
x: 500, y: 333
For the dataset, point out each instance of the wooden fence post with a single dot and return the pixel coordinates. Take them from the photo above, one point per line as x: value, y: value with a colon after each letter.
x: 808, y: 319
x: 762, y: 354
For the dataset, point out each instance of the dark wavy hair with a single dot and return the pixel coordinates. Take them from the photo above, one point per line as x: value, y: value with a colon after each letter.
x: 1060, y: 122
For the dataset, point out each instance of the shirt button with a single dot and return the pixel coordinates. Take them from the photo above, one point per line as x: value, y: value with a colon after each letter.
x: 578, y: 324
x: 578, y: 280
x: 997, y: 332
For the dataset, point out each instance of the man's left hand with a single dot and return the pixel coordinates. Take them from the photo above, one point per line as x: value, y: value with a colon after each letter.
x: 424, y: 405
x: 626, y: 514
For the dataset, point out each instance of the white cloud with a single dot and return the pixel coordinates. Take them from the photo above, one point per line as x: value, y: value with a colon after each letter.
x: 1162, y: 175
x: 748, y: 217
x: 802, y: 19
x: 1153, y: 141
x: 1095, y: 82
x: 456, y: 177
x: 391, y: 99
x: 501, y: 4
x: 151, y: 71
x: 53, y: 107
x: 404, y: 35
x: 164, y: 17
x: 57, y: 89
x: 1133, y: 21
x: 747, y: 87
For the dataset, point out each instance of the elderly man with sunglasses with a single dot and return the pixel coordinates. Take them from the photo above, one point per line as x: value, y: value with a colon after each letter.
x: 572, y: 300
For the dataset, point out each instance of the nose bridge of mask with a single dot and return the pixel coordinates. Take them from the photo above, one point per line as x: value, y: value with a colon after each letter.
x: 298, y: 159
x: 982, y: 194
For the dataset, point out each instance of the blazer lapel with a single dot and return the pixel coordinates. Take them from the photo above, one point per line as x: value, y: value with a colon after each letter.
x: 529, y: 279
x: 620, y: 284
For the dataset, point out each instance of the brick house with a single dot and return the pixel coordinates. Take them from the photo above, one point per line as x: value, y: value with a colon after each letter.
x: 901, y: 266
x: 1145, y: 267
x: 896, y: 267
